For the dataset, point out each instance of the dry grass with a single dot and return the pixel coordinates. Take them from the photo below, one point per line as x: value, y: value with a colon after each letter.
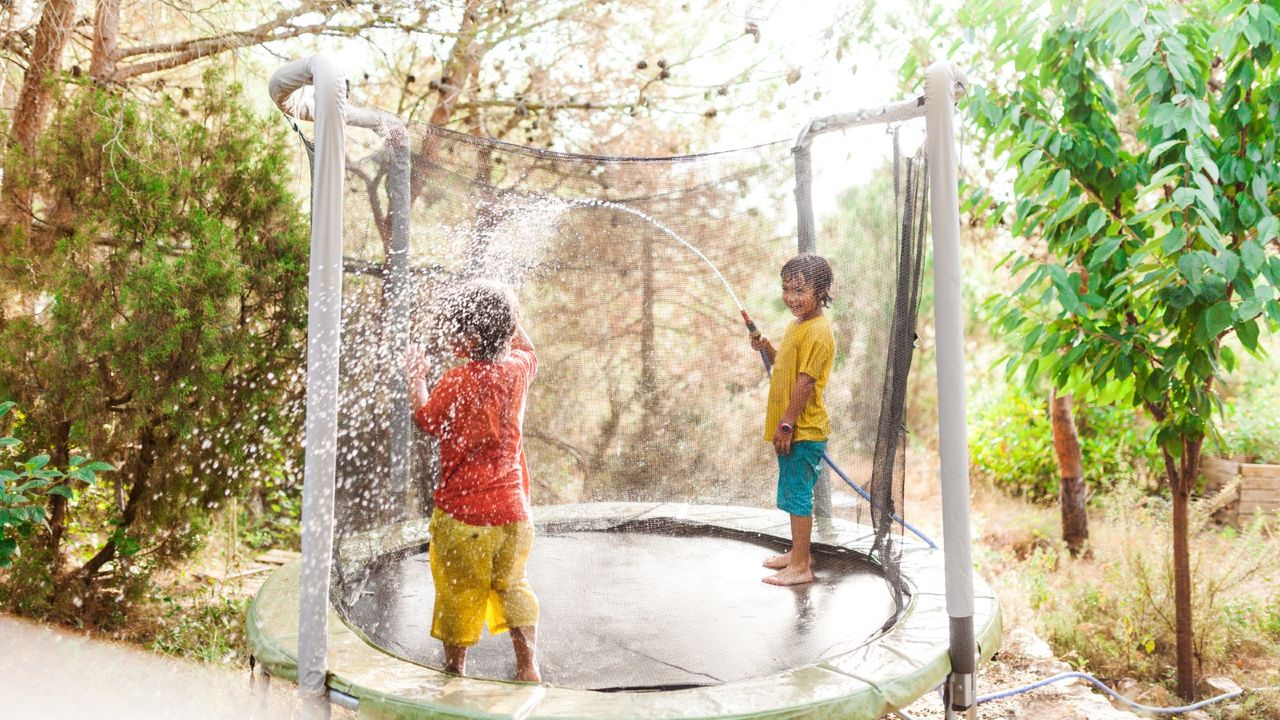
x: 1110, y: 613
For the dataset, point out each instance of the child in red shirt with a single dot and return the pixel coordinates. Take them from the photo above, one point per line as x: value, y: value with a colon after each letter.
x: 481, y: 534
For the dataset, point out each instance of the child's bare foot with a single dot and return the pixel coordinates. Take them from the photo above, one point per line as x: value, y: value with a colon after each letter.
x: 529, y: 674
x: 790, y: 576
x: 777, y: 562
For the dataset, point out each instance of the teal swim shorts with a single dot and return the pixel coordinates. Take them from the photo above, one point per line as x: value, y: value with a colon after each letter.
x: 797, y: 474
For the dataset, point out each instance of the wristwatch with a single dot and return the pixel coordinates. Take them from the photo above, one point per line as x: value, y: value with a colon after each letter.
x: 786, y: 427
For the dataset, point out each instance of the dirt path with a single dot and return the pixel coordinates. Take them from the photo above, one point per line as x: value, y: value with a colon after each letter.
x: 54, y: 674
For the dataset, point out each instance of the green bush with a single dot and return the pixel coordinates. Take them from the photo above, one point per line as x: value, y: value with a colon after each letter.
x: 170, y: 269
x: 1011, y: 444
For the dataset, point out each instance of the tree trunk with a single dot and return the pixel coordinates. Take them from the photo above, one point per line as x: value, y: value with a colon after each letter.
x: 463, y: 58
x: 648, y: 371
x: 60, y: 458
x: 1182, y: 480
x: 33, y: 108
x: 143, y: 464
x: 106, y: 38
x: 650, y: 409
x: 1071, y: 486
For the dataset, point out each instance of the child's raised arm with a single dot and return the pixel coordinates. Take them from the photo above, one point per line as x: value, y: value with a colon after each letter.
x: 415, y: 370
x: 521, y: 341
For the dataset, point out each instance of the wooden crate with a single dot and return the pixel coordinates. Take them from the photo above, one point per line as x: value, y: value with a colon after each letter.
x: 1259, y: 485
x: 1259, y: 488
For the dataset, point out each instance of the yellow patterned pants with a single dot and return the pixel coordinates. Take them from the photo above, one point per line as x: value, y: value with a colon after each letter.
x: 478, y: 572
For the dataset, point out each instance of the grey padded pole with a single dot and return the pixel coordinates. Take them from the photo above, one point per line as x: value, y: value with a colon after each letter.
x: 960, y: 691
x: 324, y: 339
x: 331, y: 114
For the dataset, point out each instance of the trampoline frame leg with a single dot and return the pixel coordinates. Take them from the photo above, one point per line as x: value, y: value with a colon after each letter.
x: 960, y: 695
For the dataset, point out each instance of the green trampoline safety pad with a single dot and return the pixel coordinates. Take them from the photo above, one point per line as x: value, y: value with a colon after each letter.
x: 887, y: 672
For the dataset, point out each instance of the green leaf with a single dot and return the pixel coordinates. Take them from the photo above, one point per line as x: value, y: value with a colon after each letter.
x: 1218, y: 318
x: 1268, y: 228
x: 1173, y: 241
x: 1184, y: 196
x: 1105, y: 251
x: 1227, y: 263
x: 99, y: 466
x: 1158, y: 150
x: 1161, y: 176
x: 1248, y: 333
x: 61, y: 490
x: 1061, y: 181
x: 37, y: 462
x: 6, y: 406
x: 1191, y: 266
x: 1253, y: 256
x: 9, y: 442
x: 1097, y: 219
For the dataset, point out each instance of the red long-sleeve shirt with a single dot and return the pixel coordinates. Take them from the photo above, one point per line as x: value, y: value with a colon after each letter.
x: 477, y: 412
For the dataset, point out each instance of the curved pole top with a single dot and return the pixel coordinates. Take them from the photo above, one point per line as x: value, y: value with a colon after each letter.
x: 893, y: 112
x: 288, y: 81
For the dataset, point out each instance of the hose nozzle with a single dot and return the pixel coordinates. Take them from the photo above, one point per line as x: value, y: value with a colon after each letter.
x: 751, y: 325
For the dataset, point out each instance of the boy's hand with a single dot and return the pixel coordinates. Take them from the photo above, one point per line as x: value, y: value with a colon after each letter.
x: 782, y: 441
x: 415, y: 362
x: 760, y: 343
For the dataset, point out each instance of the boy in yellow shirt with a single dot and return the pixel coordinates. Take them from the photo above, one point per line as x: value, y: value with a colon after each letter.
x: 796, y: 420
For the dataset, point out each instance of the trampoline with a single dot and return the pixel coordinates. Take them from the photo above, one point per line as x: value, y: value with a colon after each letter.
x: 651, y: 481
x: 671, y: 622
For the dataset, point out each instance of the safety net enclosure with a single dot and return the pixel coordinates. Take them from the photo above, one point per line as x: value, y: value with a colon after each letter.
x: 652, y: 482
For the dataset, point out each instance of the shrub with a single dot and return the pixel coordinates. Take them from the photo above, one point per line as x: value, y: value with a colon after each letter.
x: 168, y: 277
x: 1110, y: 614
x: 1251, y: 429
x: 1011, y: 444
x: 203, y: 627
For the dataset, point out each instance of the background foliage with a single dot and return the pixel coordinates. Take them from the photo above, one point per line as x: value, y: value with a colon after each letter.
x: 169, y: 289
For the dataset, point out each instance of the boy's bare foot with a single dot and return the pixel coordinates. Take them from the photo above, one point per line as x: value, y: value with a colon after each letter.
x: 528, y: 674
x: 790, y: 576
x: 777, y: 562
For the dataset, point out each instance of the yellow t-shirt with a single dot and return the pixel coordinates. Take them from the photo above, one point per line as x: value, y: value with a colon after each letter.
x: 808, y: 347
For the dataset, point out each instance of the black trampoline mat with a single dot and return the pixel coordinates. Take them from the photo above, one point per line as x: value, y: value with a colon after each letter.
x: 636, y: 609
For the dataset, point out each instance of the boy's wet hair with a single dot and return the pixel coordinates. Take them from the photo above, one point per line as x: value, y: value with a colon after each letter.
x: 482, y: 311
x: 815, y: 271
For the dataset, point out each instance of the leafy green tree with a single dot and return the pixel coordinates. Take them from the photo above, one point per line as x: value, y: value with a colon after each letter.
x: 1142, y: 141
x: 155, y: 314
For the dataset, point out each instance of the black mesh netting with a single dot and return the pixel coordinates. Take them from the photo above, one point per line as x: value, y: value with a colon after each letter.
x: 647, y: 388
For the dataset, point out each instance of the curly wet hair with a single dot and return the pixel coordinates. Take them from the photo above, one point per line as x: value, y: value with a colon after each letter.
x: 484, y: 312
x: 815, y: 271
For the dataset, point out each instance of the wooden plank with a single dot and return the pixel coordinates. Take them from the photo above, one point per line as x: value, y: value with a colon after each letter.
x: 1223, y: 466
x: 1260, y: 483
x: 1256, y: 470
x: 1214, y: 481
x: 1257, y: 496
x: 1247, y: 509
x: 278, y: 557
x: 1217, y: 473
